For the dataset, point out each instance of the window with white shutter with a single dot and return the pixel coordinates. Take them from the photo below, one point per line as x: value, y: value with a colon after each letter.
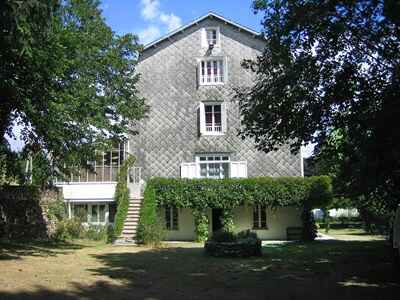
x: 238, y: 169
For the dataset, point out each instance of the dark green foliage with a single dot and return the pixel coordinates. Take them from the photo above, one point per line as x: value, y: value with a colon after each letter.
x: 224, y: 236
x: 201, y: 225
x: 121, y: 196
x: 230, y: 193
x: 330, y: 74
x: 66, y: 78
x: 150, y: 229
x: 200, y: 194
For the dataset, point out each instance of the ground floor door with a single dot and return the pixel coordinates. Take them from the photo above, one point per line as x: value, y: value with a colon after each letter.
x: 216, y: 219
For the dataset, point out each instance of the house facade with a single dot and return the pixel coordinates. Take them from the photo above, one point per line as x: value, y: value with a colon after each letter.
x: 189, y: 78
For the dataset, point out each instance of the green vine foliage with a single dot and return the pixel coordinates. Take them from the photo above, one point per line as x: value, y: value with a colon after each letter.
x: 200, y: 194
x: 201, y: 225
x: 150, y: 229
x: 121, y: 196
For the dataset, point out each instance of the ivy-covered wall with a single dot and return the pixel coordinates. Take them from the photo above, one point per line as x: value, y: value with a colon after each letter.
x: 26, y: 212
x: 200, y: 194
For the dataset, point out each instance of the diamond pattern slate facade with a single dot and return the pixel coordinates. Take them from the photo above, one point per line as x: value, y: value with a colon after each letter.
x: 170, y: 134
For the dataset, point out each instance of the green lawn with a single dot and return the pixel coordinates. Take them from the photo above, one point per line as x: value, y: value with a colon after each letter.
x: 88, y: 270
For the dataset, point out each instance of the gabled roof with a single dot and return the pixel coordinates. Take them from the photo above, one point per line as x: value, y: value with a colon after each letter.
x: 195, y: 22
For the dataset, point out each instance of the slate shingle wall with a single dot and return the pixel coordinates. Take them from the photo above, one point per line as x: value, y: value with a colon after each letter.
x: 169, y: 136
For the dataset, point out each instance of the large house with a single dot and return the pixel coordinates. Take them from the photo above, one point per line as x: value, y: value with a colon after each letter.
x: 188, y: 78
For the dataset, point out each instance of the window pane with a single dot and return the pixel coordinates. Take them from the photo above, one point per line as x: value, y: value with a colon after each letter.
x: 217, y: 108
x: 175, y: 218
x: 208, y: 108
x: 209, y: 118
x: 225, y: 158
x: 80, y: 212
x: 203, y: 158
x: 203, y: 170
x: 168, y: 217
x: 225, y: 170
x: 255, y: 217
x: 102, y: 213
x: 217, y: 118
x: 112, y: 210
x: 95, y: 214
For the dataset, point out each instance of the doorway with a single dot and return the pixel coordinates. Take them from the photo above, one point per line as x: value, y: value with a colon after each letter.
x: 216, y: 219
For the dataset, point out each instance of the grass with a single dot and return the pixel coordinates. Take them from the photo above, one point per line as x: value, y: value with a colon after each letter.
x: 339, y: 269
x: 352, y: 234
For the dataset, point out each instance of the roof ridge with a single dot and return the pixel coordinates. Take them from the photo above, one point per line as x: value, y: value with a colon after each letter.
x: 197, y: 20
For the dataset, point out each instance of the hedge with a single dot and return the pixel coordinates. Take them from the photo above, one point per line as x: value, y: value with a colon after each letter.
x: 121, y: 197
x: 200, y: 194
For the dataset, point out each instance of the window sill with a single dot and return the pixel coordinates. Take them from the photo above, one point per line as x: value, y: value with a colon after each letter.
x: 212, y: 134
x: 212, y: 84
x: 262, y: 228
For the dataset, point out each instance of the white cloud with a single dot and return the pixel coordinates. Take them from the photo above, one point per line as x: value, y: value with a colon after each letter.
x: 160, y: 21
x: 149, y: 34
x: 173, y: 22
x: 150, y: 9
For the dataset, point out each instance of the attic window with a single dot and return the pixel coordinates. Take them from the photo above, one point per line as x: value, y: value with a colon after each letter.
x: 211, y: 36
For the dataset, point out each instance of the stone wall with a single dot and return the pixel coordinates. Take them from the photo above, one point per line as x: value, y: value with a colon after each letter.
x: 24, y: 212
x: 169, y: 82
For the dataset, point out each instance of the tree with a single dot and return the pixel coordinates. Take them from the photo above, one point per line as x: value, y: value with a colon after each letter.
x: 331, y: 67
x: 66, y: 78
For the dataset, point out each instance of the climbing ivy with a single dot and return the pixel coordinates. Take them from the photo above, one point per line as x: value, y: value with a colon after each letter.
x: 200, y: 194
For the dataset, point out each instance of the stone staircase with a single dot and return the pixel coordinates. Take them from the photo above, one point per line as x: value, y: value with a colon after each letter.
x: 131, y: 222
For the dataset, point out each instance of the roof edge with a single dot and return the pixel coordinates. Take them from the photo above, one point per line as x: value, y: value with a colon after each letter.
x: 194, y: 22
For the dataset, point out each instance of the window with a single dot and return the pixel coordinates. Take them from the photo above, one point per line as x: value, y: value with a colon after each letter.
x: 213, y: 166
x: 213, y: 118
x: 211, y: 36
x: 171, y: 218
x: 104, y: 167
x: 212, y: 72
x: 260, y: 217
x: 80, y: 212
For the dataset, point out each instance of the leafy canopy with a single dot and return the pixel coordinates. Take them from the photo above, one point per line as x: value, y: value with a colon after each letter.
x: 66, y: 78
x: 329, y: 66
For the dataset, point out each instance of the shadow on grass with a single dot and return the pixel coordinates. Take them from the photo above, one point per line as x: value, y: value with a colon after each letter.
x: 16, y: 250
x: 332, y: 269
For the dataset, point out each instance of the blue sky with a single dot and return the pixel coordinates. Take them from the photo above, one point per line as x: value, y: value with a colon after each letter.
x: 150, y: 19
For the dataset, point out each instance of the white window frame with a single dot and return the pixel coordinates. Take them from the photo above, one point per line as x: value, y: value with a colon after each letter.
x: 220, y: 161
x: 89, y: 213
x: 259, y: 222
x: 204, y: 37
x: 203, y: 128
x: 203, y: 79
x: 171, y: 218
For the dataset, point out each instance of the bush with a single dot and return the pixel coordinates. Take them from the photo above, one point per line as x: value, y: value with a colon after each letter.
x: 69, y: 229
x: 224, y: 236
x: 97, y: 232
x: 121, y: 197
x: 228, y: 244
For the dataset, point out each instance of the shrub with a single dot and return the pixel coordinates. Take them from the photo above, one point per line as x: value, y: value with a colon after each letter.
x: 201, y: 225
x: 97, y: 232
x: 224, y: 236
x: 69, y: 229
x: 150, y: 229
x: 243, y: 244
x: 121, y: 198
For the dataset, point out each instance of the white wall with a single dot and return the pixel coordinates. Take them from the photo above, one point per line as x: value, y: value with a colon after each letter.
x: 277, y: 220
